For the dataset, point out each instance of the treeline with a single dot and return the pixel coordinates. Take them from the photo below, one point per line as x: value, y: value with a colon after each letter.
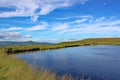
x: 85, y: 42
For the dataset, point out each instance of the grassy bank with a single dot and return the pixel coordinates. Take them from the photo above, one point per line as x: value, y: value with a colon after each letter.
x: 85, y: 42
x: 12, y: 68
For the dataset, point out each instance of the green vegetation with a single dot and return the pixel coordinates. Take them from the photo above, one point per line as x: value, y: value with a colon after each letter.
x: 85, y: 42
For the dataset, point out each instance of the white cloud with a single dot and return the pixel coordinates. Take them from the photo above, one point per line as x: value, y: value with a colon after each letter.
x: 86, y: 16
x: 41, y: 26
x: 28, y: 36
x: 53, y: 40
x: 13, y: 28
x: 97, y: 26
x: 34, y: 18
x: 102, y: 26
x: 76, y: 17
x: 34, y: 28
x: 34, y: 8
x: 13, y: 36
x: 100, y: 19
x: 80, y: 20
x: 60, y: 26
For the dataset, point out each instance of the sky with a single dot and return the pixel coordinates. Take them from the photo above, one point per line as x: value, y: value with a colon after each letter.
x: 58, y: 20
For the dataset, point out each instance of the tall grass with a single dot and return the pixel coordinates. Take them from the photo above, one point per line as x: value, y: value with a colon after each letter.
x: 15, y: 69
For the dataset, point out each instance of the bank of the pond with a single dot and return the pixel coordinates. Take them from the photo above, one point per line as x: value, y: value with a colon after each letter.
x: 15, y: 69
x: 85, y: 42
x: 12, y: 68
x: 18, y: 49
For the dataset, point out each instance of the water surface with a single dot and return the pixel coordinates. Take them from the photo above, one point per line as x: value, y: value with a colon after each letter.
x: 99, y: 62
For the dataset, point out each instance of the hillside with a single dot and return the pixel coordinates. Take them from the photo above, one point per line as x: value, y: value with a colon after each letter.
x: 94, y: 41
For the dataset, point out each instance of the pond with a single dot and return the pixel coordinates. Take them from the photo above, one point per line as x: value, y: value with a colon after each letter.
x: 99, y: 62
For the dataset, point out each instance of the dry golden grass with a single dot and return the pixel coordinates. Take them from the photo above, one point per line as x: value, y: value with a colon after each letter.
x: 14, y: 69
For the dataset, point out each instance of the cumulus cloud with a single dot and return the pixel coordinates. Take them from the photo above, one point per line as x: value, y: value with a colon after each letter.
x: 34, y: 8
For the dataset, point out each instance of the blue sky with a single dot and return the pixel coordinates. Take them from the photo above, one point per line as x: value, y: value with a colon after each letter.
x: 58, y: 20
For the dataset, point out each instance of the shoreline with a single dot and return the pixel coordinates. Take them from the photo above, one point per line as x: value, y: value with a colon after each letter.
x: 20, y: 49
x: 85, y: 42
x: 17, y: 69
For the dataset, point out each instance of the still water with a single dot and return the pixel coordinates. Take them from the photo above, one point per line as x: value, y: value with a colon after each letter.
x: 100, y: 62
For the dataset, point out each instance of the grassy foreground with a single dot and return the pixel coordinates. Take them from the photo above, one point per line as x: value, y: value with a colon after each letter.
x: 12, y: 68
x: 15, y: 69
